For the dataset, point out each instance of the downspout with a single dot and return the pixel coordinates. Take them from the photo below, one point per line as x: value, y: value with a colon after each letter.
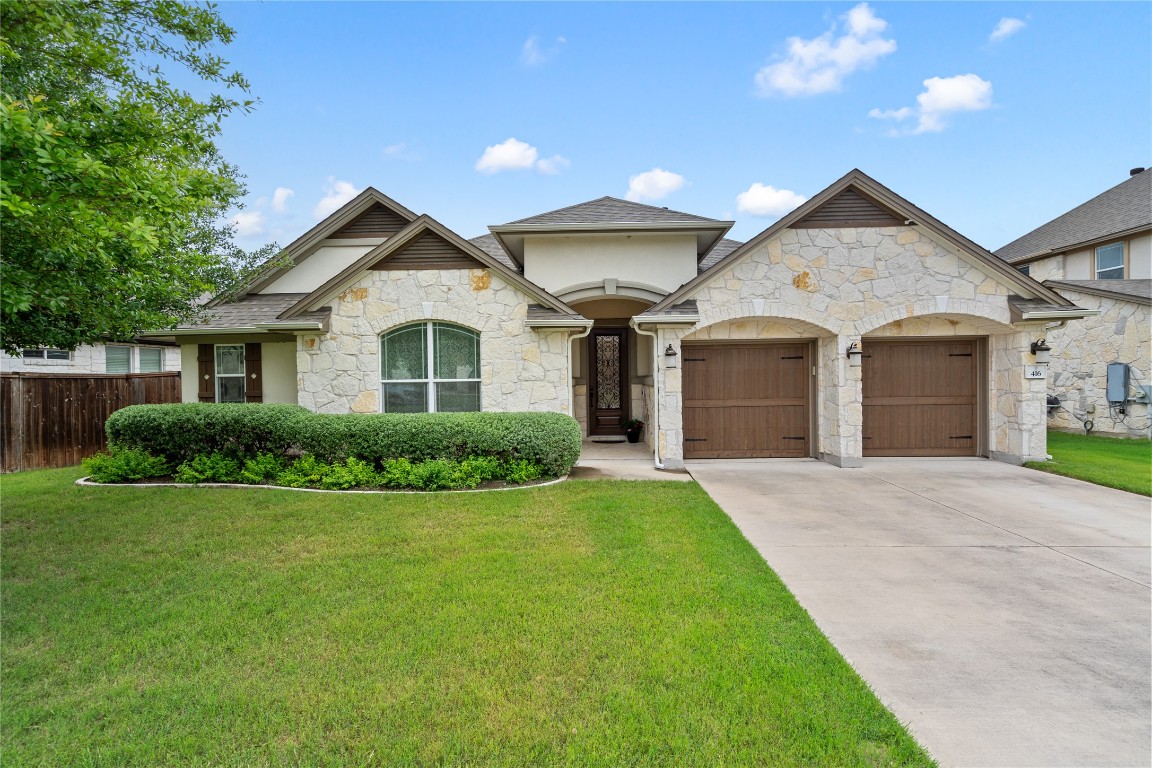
x: 571, y: 376
x: 655, y: 390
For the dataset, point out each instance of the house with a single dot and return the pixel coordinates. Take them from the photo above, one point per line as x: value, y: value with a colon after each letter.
x: 1099, y: 256
x: 857, y: 325
x: 148, y: 357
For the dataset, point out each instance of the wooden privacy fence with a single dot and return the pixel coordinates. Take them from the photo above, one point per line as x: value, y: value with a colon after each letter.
x: 57, y: 419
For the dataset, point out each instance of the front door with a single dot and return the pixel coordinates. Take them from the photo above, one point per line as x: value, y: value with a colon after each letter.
x: 608, y: 381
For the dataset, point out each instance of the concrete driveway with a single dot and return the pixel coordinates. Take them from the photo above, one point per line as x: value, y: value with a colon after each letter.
x: 1003, y: 614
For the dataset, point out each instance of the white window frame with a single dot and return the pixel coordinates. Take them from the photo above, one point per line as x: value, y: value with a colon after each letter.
x: 242, y: 375
x: 430, y: 381
x: 1123, y: 261
x: 160, y: 351
x: 131, y: 362
x: 44, y: 354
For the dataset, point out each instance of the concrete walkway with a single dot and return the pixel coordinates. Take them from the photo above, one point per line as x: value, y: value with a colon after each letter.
x: 620, y: 461
x: 1003, y: 614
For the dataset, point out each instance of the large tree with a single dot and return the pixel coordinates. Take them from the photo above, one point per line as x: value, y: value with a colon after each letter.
x: 112, y: 192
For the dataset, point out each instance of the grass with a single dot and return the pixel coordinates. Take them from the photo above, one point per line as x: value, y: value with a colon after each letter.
x: 592, y: 623
x: 1112, y: 461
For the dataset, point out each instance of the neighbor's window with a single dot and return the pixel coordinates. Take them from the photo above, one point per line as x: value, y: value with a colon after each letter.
x: 46, y: 354
x: 1110, y: 262
x: 117, y: 359
x: 230, y: 373
x: 430, y: 367
x: 151, y: 360
x: 1024, y: 270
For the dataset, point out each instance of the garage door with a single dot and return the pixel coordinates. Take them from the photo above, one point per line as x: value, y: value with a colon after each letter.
x: 920, y: 398
x: 746, y: 400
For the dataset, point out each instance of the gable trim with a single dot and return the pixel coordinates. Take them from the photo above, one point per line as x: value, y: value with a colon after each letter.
x: 393, y: 245
x: 912, y: 216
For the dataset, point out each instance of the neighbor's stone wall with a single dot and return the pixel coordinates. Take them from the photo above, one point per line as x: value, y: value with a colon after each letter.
x: 521, y: 369
x: 1047, y: 269
x: 1081, y: 352
x: 839, y: 285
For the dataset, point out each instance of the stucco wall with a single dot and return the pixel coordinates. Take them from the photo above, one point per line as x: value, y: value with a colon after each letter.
x: 558, y: 262
x: 277, y: 366
x: 521, y: 369
x: 327, y: 262
x: 1080, y: 264
x: 1081, y: 352
x: 842, y: 285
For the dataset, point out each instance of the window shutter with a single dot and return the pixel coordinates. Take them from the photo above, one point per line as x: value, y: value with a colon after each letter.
x: 253, y: 375
x: 206, y: 372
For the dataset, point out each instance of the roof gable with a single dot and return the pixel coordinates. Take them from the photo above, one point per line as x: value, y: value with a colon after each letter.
x: 870, y: 189
x: 850, y: 208
x: 418, y: 240
x: 1124, y: 209
x: 371, y: 209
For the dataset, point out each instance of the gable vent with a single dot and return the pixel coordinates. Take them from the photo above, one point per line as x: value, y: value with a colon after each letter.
x: 429, y: 251
x: 849, y: 209
x: 377, y: 221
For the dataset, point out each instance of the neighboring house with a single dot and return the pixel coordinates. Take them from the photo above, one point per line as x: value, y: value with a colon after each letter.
x: 610, y: 310
x: 1099, y: 256
x: 96, y: 358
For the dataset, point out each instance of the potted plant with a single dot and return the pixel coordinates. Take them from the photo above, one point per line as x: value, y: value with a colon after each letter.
x: 632, y: 430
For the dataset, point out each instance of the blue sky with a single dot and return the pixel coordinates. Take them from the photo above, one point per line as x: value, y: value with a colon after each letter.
x: 993, y: 117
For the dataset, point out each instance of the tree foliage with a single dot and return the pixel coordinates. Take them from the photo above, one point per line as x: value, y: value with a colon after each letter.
x: 112, y: 191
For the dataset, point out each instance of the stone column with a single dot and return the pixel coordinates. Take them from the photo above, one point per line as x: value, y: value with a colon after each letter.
x: 671, y: 405
x: 1017, y: 406
x: 839, y: 407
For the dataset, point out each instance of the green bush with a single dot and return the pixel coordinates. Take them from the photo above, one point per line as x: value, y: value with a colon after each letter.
x: 352, y: 473
x: 210, y: 468
x: 181, y: 432
x: 262, y: 468
x: 305, y: 472
x: 121, y: 465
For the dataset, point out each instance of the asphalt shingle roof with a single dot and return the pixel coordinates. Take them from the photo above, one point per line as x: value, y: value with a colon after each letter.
x: 490, y: 245
x: 1138, y: 290
x: 719, y: 251
x: 249, y: 310
x: 1125, y: 207
x: 612, y: 210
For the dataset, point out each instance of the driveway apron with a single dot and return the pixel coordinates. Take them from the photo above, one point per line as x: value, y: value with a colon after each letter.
x: 1001, y: 613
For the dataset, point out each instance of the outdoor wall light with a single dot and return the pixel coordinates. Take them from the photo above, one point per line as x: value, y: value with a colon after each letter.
x: 670, y: 357
x: 1042, y: 351
x: 854, y: 355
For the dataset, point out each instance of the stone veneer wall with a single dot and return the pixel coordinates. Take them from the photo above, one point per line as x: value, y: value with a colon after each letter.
x: 1081, y: 352
x: 521, y: 369
x: 839, y: 285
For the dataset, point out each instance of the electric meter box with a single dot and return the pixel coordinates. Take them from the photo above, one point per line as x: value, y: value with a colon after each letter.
x: 1117, y: 382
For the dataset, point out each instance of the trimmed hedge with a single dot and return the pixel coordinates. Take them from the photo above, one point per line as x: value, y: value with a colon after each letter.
x: 180, y: 432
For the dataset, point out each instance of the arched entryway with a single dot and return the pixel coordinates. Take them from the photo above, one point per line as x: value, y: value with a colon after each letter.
x: 613, y: 376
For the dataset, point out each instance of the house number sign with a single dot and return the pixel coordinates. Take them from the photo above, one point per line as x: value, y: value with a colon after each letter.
x: 1035, y: 371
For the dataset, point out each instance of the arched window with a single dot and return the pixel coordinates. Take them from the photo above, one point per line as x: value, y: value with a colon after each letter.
x: 430, y: 367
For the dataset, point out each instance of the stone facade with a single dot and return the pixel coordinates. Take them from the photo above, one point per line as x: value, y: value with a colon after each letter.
x: 1081, y: 353
x: 521, y: 369
x: 838, y: 286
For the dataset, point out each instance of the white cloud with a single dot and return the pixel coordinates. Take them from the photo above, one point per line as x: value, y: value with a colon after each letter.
x: 336, y: 194
x: 552, y: 165
x: 532, y: 55
x: 280, y: 199
x: 509, y: 155
x: 653, y: 184
x: 820, y: 65
x: 396, y: 150
x: 942, y: 96
x: 515, y: 155
x: 764, y: 200
x: 1005, y: 29
x: 248, y: 223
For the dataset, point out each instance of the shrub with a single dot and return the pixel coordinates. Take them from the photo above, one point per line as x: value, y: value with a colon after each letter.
x: 352, y: 473
x: 521, y: 471
x: 243, y: 431
x: 120, y: 465
x: 262, y: 468
x: 210, y: 468
x: 305, y: 472
x: 181, y: 431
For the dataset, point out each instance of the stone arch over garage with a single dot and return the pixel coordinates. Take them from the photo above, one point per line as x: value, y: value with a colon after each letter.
x: 800, y: 319
x: 980, y: 318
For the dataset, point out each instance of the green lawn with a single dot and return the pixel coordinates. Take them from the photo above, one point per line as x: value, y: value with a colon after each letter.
x: 589, y: 623
x: 1112, y: 461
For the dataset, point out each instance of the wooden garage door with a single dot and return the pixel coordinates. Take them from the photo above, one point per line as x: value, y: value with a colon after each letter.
x: 746, y: 401
x: 920, y: 398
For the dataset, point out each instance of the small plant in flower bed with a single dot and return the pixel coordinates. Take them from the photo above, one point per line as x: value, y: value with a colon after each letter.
x: 308, y: 471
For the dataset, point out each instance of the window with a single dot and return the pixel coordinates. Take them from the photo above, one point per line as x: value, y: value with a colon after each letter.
x: 230, y: 373
x: 117, y: 359
x: 151, y: 360
x: 1110, y: 262
x: 46, y: 354
x: 430, y: 367
x: 1024, y: 270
